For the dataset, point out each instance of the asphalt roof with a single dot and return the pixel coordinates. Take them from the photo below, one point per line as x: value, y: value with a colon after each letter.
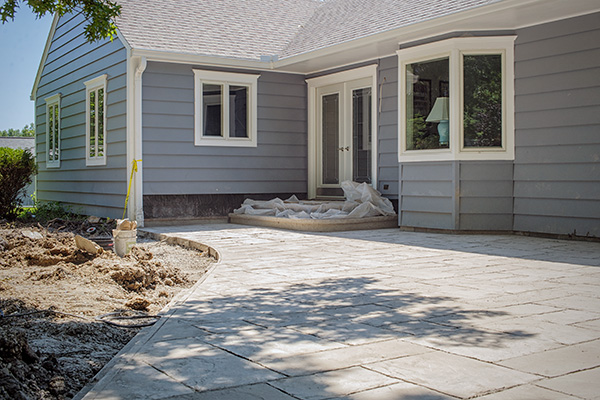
x: 17, y: 142
x: 249, y: 29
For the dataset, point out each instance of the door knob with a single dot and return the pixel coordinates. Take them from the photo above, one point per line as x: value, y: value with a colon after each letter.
x: 347, y: 148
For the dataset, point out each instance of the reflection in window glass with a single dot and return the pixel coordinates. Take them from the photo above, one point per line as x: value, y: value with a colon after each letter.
x: 331, y: 124
x: 238, y: 111
x: 361, y: 135
x: 482, y: 100
x: 51, y: 133
x: 55, y: 130
x: 212, y: 102
x: 426, y: 82
x: 100, y: 122
x: 93, y: 132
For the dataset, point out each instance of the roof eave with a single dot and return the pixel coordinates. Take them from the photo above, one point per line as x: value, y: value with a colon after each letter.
x: 501, y: 16
x: 494, y: 17
x: 201, y: 59
x: 38, y: 76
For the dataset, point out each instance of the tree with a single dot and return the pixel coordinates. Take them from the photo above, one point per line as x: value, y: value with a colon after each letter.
x: 17, y: 167
x: 27, y: 131
x: 99, y: 13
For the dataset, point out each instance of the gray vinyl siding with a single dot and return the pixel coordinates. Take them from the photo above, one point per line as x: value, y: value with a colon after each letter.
x: 98, y: 190
x: 174, y: 165
x: 486, y: 195
x: 557, y: 163
x: 427, y: 195
x: 387, y: 160
x: 457, y: 195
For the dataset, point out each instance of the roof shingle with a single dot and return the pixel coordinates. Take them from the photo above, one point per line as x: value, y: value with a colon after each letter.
x: 249, y: 29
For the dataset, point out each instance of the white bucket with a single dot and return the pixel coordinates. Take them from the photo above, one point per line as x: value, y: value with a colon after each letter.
x: 124, y: 241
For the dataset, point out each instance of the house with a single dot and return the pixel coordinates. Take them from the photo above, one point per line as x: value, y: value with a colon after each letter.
x: 470, y: 115
x: 25, y: 143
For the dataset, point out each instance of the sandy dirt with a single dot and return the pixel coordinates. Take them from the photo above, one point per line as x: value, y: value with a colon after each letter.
x: 51, y: 293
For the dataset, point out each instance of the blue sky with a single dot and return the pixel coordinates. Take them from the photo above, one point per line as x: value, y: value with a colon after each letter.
x: 22, y: 42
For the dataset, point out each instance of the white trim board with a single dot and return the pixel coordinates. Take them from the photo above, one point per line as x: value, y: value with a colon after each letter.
x: 453, y: 49
x: 369, y: 71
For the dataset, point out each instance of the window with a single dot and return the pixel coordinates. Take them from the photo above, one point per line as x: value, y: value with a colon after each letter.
x: 456, y: 100
x: 225, y: 109
x: 53, y: 131
x: 95, y: 132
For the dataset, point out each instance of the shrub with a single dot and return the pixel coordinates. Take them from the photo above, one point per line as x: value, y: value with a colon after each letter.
x: 49, y: 210
x: 17, y: 168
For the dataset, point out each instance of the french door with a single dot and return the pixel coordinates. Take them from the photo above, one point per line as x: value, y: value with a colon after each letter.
x: 344, y: 124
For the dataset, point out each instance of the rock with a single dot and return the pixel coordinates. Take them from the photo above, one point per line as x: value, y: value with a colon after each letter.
x: 87, y: 245
x: 10, y: 386
x: 57, y: 385
x: 138, y: 303
x: 93, y: 220
x: 32, y: 235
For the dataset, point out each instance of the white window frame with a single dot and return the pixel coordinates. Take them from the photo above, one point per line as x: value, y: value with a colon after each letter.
x: 225, y: 79
x: 50, y: 102
x: 454, y: 49
x: 93, y: 85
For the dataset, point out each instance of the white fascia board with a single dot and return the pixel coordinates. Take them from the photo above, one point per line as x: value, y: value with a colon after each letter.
x: 124, y: 41
x: 172, y: 57
x: 38, y: 76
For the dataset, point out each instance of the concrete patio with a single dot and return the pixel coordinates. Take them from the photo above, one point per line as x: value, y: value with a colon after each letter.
x: 380, y: 314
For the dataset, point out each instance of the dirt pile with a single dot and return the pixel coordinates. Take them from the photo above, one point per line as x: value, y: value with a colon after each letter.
x: 51, y: 293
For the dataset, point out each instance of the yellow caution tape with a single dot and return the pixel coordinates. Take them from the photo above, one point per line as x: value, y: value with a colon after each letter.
x: 134, y: 168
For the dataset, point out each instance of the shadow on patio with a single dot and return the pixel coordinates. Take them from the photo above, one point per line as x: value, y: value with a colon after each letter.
x: 321, y: 334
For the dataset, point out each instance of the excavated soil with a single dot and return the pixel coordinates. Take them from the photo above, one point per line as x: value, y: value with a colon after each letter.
x: 52, y: 341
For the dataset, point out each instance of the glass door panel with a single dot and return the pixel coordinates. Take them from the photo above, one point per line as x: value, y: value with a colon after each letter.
x: 330, y: 138
x: 361, y: 135
x: 344, y: 135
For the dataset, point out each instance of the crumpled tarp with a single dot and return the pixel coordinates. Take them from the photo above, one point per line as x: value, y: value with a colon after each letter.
x: 361, y: 201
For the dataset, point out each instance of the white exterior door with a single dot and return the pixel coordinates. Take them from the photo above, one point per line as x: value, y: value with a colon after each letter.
x: 343, y: 125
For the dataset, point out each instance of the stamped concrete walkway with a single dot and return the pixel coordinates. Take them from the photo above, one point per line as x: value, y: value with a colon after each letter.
x: 379, y: 314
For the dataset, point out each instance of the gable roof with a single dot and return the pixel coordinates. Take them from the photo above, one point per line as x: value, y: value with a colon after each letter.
x: 243, y: 29
x: 249, y: 29
x: 340, y: 21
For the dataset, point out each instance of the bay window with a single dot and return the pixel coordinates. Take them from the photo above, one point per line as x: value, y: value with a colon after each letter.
x: 456, y: 100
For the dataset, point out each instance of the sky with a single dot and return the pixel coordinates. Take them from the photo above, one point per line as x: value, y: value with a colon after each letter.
x: 22, y: 42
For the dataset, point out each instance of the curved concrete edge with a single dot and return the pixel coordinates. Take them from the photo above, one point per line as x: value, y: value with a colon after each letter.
x: 188, y: 244
x: 316, y: 225
x: 124, y: 356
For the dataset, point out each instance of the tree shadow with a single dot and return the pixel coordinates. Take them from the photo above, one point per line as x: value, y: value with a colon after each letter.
x: 304, y: 339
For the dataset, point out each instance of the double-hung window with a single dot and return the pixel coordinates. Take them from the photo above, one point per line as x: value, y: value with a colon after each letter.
x: 53, y: 131
x: 456, y: 100
x: 225, y: 109
x: 95, y: 132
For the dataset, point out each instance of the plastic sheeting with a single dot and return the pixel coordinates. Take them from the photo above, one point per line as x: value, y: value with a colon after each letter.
x: 361, y: 201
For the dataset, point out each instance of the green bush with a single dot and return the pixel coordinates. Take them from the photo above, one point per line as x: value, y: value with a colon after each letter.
x: 17, y: 168
x: 49, y: 210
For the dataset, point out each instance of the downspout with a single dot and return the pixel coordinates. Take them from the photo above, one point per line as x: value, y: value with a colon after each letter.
x: 137, y: 65
x: 139, y: 201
